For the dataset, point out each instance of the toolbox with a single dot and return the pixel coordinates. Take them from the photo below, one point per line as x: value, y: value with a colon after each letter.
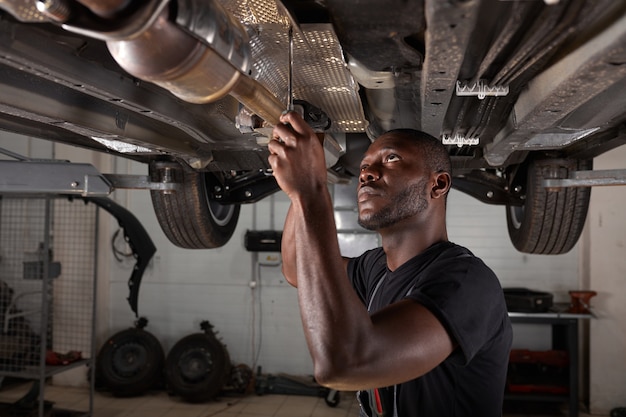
x: 527, y: 301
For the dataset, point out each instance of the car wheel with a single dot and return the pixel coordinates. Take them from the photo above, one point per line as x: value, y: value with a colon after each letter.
x: 551, y: 220
x: 188, y: 216
x: 197, y: 367
x: 130, y: 363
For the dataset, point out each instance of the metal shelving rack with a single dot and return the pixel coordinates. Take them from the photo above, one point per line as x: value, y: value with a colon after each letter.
x: 564, y: 337
x: 48, y: 267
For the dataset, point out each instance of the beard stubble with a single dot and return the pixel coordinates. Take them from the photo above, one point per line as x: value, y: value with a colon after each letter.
x: 410, y: 201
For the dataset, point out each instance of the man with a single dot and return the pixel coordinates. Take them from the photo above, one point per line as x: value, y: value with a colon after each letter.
x: 420, y: 325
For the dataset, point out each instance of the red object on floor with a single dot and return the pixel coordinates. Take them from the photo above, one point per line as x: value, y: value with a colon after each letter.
x: 56, y: 359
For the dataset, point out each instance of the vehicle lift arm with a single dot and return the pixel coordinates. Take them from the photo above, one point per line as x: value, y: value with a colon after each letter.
x: 65, y: 179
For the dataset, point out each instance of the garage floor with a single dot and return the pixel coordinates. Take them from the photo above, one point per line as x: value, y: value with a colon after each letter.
x: 159, y: 404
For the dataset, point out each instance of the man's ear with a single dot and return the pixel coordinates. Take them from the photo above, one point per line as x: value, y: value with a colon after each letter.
x: 441, y: 184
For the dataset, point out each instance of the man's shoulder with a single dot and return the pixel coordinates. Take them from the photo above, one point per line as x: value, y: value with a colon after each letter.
x: 463, y: 254
x: 456, y: 262
x: 454, y: 249
x: 368, y: 261
x: 375, y: 255
x: 445, y: 252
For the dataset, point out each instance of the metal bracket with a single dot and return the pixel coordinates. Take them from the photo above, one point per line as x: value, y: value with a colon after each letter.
x: 67, y: 178
x: 139, y: 182
x: 459, y: 140
x: 480, y: 89
x: 589, y: 179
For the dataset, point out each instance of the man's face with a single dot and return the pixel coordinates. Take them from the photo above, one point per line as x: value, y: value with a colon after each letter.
x: 392, y: 183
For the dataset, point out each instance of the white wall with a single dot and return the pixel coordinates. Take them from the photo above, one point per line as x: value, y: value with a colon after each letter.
x: 607, y: 276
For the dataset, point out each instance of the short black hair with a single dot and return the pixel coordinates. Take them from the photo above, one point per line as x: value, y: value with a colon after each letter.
x: 436, y: 156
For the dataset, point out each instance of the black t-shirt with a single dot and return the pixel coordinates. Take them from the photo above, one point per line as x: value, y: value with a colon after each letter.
x: 466, y: 296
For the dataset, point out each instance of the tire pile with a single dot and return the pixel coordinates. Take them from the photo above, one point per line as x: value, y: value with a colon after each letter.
x: 197, y: 368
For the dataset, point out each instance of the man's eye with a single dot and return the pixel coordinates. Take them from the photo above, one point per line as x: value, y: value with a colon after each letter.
x: 391, y: 157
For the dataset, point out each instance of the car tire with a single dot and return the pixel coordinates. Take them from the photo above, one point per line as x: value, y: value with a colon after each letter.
x: 130, y: 363
x: 551, y: 220
x: 197, y: 367
x: 188, y: 216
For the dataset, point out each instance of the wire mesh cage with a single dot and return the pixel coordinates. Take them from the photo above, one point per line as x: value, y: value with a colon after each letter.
x: 47, y: 285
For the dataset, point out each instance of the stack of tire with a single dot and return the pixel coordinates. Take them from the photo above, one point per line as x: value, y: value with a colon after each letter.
x: 132, y: 362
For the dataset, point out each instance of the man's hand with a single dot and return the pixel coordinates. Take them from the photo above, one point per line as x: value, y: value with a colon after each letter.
x: 297, y: 157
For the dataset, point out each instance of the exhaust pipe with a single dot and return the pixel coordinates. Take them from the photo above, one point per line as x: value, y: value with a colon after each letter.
x: 200, y: 57
x: 105, y: 8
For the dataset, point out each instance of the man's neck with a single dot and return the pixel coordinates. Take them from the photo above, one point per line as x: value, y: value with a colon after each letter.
x: 400, y: 246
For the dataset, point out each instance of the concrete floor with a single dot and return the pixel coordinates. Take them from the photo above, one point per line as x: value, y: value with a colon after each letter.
x: 160, y: 404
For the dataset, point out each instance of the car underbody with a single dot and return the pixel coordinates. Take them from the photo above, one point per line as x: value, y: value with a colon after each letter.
x: 520, y: 92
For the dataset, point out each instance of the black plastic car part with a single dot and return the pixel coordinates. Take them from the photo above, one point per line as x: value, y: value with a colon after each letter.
x: 137, y: 238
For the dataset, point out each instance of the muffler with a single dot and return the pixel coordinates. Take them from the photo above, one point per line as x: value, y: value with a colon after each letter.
x: 200, y: 54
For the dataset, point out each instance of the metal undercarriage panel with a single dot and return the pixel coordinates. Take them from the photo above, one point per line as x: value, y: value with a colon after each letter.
x: 494, y: 79
x: 524, y: 94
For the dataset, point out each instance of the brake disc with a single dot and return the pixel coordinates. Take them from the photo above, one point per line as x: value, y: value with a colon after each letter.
x: 198, y: 366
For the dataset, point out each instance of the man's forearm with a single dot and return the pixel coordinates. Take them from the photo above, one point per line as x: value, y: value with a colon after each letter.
x: 288, y: 248
x: 331, y: 311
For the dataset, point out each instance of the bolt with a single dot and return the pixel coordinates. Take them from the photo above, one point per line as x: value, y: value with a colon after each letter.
x: 57, y: 10
x: 518, y: 189
x: 489, y: 194
x: 74, y: 184
x: 166, y: 175
x: 248, y: 193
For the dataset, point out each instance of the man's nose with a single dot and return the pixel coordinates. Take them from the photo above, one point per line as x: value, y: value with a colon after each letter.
x: 368, y: 174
